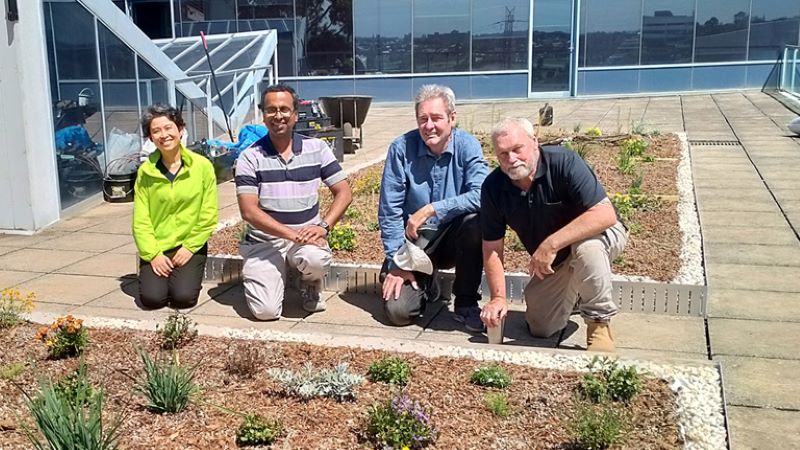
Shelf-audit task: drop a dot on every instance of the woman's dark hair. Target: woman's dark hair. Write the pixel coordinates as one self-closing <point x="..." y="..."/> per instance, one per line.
<point x="279" y="88"/>
<point x="160" y="110"/>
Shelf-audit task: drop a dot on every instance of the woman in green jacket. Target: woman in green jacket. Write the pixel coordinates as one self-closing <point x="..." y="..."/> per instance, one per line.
<point x="174" y="214"/>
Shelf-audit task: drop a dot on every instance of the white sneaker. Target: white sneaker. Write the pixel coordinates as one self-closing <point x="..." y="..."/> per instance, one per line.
<point x="312" y="301"/>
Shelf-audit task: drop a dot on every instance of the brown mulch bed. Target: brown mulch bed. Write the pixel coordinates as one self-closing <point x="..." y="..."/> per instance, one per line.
<point x="653" y="249"/>
<point x="542" y="401"/>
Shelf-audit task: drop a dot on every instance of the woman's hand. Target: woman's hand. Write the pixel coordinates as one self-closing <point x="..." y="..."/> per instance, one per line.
<point x="162" y="266"/>
<point x="181" y="257"/>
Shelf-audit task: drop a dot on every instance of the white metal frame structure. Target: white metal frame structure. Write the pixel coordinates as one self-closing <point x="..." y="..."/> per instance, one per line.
<point x="185" y="79"/>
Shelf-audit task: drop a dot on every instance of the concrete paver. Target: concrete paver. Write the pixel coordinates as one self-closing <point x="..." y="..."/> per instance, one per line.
<point x="111" y="264"/>
<point x="764" y="382"/>
<point x="39" y="260"/>
<point x="11" y="278"/>
<point x="768" y="306"/>
<point x="71" y="289"/>
<point x="764" y="278"/>
<point x="756" y="338"/>
<point x="739" y="218"/>
<point x="86" y="242"/>
<point x="752" y="253"/>
<point x="754" y="236"/>
<point x="763" y="428"/>
<point x="4" y="250"/>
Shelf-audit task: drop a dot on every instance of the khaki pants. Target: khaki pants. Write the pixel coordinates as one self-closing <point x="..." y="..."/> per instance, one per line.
<point x="264" y="272"/>
<point x="583" y="279"/>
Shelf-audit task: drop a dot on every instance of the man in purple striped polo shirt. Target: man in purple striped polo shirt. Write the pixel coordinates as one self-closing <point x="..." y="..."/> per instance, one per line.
<point x="277" y="180"/>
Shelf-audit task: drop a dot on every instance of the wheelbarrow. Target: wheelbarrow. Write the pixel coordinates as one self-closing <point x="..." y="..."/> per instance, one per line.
<point x="347" y="112"/>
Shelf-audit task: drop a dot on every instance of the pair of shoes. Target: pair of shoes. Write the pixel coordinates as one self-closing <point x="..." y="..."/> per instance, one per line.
<point x="470" y="316"/>
<point x="598" y="337"/>
<point x="312" y="302"/>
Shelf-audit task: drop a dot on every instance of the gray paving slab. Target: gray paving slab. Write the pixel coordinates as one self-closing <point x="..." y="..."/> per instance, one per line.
<point x="86" y="242"/>
<point x="787" y="195"/>
<point x="794" y="218"/>
<point x="755" y="338"/>
<point x="735" y="218"/>
<point x="409" y="332"/>
<point x="660" y="333"/>
<point x="783" y="236"/>
<point x="110" y="264"/>
<point x="70" y="289"/>
<point x="10" y="278"/>
<point x="784" y="184"/>
<point x="752" y="182"/>
<point x="763" y="428"/>
<point x="38" y="260"/>
<point x="23" y="240"/>
<point x="744" y="253"/>
<point x="762" y="382"/>
<point x="778" y="173"/>
<point x="4" y="250"/>
<point x="120" y="225"/>
<point x="700" y="173"/>
<point x="756" y="278"/>
<point x="158" y="315"/>
<point x="742" y="195"/>
<point x="713" y="203"/>
<point x="756" y="305"/>
<point x="792" y="206"/>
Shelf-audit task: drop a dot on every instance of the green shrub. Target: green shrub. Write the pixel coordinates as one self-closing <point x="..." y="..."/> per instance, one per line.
<point x="167" y="386"/>
<point x="75" y="387"/>
<point x="308" y="383"/>
<point x="178" y="330"/>
<point x="634" y="147"/>
<point x="257" y="430"/>
<point x="352" y="213"/>
<point x="491" y="376"/>
<point x="11" y="371"/>
<point x="597" y="427"/>
<point x="342" y="237"/>
<point x="67" y="422"/>
<point x="399" y="423"/>
<point x="373" y="226"/>
<point x="497" y="403"/>
<point x="390" y="370"/>
<point x="368" y="182"/>
<point x="14" y="306"/>
<point x="607" y="380"/>
<point x="514" y="242"/>
<point x="64" y="337"/>
<point x="594" y="132"/>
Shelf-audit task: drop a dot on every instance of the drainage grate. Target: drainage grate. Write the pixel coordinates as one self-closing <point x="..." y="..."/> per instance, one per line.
<point x="639" y="297"/>
<point x="702" y="142"/>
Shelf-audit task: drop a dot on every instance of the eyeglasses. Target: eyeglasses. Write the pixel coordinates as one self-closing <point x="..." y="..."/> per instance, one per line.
<point x="272" y="111"/>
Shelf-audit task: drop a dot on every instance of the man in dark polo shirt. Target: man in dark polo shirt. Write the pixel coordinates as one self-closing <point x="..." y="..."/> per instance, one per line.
<point x="562" y="215"/>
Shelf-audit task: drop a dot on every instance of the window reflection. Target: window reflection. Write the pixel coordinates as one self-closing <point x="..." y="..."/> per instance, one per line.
<point x="325" y="37"/>
<point x="208" y="16"/>
<point x="721" y="30"/>
<point x="667" y="29"/>
<point x="383" y="36"/>
<point x="500" y="35"/>
<point x="552" y="38"/>
<point x="441" y="36"/>
<point x="276" y="15"/>
<point x="773" y="23"/>
<point x="610" y="32"/>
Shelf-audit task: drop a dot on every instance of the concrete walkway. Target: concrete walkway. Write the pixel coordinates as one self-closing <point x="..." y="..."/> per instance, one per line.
<point x="749" y="202"/>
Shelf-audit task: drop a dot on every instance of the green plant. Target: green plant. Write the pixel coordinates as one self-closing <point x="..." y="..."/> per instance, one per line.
<point x="352" y="213"/>
<point x="399" y="423"/>
<point x="634" y="147"/>
<point x="625" y="163"/>
<point x="638" y="127"/>
<point x="68" y="422"/>
<point x="491" y="376"/>
<point x="597" y="427"/>
<point x="514" y="242"/>
<point x="497" y="403"/>
<point x="368" y="182"/>
<point x="257" y="430"/>
<point x="607" y="380"/>
<point x="634" y="228"/>
<point x="178" y="330"/>
<point x="244" y="361"/>
<point x="11" y="371"/>
<point x="75" y="386"/>
<point x="594" y="132"/>
<point x="577" y="128"/>
<point x="13" y="307"/>
<point x="167" y="386"/>
<point x="308" y="383"/>
<point x="390" y="370"/>
<point x="64" y="337"/>
<point x="342" y="237"/>
<point x="373" y="226"/>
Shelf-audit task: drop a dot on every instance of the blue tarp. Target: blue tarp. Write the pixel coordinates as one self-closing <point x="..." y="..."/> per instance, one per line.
<point x="247" y="135"/>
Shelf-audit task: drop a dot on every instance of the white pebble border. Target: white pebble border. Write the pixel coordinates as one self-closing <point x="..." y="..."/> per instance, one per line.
<point x="691" y="271"/>
<point x="699" y="400"/>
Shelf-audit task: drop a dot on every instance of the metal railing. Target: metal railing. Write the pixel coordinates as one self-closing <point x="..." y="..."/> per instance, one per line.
<point x="790" y="70"/>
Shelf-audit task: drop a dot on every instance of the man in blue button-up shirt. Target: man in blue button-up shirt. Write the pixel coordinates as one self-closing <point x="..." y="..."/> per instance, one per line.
<point x="433" y="177"/>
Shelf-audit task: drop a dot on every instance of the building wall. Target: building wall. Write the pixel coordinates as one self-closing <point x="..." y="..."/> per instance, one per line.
<point x="28" y="192"/>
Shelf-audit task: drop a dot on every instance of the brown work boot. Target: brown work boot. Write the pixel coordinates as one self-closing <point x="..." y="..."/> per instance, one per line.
<point x="598" y="337"/>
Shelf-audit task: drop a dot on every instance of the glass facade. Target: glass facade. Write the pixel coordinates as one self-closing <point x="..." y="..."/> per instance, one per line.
<point x="385" y="48"/>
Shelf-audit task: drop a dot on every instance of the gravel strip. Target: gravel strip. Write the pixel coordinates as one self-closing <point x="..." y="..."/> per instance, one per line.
<point x="697" y="387"/>
<point x="691" y="271"/>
